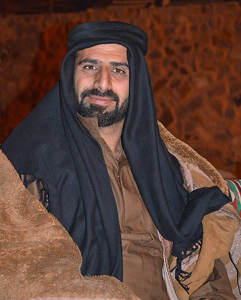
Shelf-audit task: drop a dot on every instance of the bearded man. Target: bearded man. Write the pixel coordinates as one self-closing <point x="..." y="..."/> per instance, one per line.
<point x="139" y="210"/>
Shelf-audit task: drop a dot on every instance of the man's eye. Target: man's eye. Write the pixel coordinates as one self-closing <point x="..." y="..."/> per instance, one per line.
<point x="89" y="67"/>
<point x="119" y="71"/>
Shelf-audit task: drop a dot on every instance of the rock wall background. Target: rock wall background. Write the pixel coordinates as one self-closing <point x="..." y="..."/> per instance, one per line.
<point x="194" y="60"/>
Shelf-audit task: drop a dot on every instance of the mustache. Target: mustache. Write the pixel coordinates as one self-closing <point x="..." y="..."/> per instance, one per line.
<point x="96" y="92"/>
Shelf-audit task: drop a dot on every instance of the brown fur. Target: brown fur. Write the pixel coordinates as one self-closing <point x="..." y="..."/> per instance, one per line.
<point x="38" y="258"/>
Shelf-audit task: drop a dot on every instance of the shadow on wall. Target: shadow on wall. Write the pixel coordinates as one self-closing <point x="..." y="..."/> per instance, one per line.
<point x="43" y="74"/>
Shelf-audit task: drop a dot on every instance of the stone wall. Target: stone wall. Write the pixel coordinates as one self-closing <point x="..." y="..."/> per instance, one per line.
<point x="194" y="60"/>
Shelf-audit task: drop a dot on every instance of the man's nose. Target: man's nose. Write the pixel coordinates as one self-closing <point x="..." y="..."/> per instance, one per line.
<point x="103" y="79"/>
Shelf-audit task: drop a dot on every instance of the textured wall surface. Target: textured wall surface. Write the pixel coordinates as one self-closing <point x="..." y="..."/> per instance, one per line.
<point x="194" y="60"/>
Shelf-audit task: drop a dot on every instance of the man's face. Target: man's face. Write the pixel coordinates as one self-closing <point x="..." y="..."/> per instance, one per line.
<point x="101" y="83"/>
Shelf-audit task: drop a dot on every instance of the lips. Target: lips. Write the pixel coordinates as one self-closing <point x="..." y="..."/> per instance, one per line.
<point x="103" y="101"/>
<point x="95" y="96"/>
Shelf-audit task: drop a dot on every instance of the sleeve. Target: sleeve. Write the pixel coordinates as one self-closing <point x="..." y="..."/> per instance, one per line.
<point x="37" y="188"/>
<point x="216" y="287"/>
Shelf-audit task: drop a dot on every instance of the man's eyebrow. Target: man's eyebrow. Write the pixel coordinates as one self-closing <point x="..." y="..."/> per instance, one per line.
<point x="96" y="61"/>
<point x="88" y="60"/>
<point x="119" y="64"/>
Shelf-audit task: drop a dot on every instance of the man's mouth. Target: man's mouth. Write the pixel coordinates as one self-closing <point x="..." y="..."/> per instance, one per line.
<point x="95" y="96"/>
<point x="103" y="101"/>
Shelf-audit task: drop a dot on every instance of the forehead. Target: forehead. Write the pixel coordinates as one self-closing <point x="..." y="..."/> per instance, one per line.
<point x="106" y="52"/>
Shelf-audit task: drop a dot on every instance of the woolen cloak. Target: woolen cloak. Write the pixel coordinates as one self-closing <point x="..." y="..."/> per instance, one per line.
<point x="52" y="145"/>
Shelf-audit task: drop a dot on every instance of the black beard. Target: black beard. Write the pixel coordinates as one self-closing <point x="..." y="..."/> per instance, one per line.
<point x="105" y="119"/>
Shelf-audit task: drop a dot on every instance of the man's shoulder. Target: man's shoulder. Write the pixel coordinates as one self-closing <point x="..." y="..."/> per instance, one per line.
<point x="37" y="137"/>
<point x="196" y="170"/>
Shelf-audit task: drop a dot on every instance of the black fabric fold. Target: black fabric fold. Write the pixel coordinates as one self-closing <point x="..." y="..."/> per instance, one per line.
<point x="52" y="145"/>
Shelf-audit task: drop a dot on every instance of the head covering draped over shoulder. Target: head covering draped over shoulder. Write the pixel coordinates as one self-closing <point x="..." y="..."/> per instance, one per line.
<point x="55" y="147"/>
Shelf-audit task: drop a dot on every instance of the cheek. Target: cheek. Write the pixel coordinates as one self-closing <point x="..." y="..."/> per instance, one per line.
<point x="81" y="83"/>
<point x="76" y="82"/>
<point x="125" y="90"/>
<point x="121" y="86"/>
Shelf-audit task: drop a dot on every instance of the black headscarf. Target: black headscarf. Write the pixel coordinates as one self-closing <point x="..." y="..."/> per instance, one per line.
<point x="52" y="145"/>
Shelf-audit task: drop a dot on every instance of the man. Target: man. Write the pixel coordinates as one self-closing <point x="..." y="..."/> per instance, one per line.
<point x="92" y="153"/>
